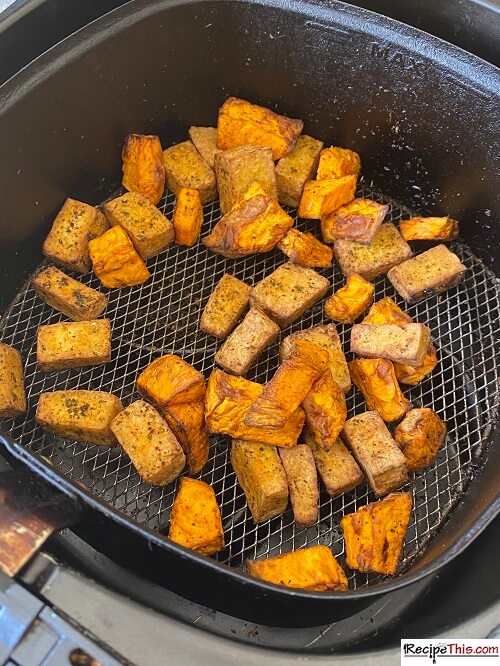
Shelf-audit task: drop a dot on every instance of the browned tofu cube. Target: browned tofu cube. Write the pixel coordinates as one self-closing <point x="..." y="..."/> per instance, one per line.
<point x="73" y="344"/>
<point x="376" y="379"/>
<point x="300" y="470"/>
<point x="169" y="380"/>
<point x="260" y="473"/>
<point x="313" y="568"/>
<point x="12" y="394"/>
<point x="337" y="162"/>
<point x="326" y="338"/>
<point x="225" y="306"/>
<point x="205" y="142"/>
<point x="326" y="410"/>
<point x="337" y="468"/>
<point x="406" y="343"/>
<point x="358" y="221"/>
<point x="386" y="250"/>
<point x="188" y="216"/>
<point x="350" y="301"/>
<point x="420" y="436"/>
<point x="288" y="292"/>
<point x="68" y="241"/>
<point x="376" y="452"/>
<point x="149" y="443"/>
<point x="238" y="168"/>
<point x="185" y="167"/>
<point x="305" y="249"/>
<point x="72" y="298"/>
<point x="187" y="422"/>
<point x="148" y="229"/>
<point x="247" y="342"/>
<point x="195" y="521"/>
<point x="429" y="273"/>
<point x="241" y="123"/>
<point x="115" y="260"/>
<point x="429" y="228"/>
<point x="143" y="167"/>
<point x="321" y="197"/>
<point x="294" y="170"/>
<point x="84" y="416"/>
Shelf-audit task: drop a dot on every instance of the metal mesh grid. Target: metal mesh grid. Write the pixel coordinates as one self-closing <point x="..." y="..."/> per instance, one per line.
<point x="162" y="317"/>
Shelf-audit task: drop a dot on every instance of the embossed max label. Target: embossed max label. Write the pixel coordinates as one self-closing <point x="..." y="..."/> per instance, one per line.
<point x="397" y="58"/>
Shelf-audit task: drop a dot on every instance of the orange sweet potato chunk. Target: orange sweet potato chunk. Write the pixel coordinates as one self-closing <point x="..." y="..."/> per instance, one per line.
<point x="358" y="221"/>
<point x="375" y="533"/>
<point x="169" y="380"/>
<point x="187" y="422"/>
<point x="338" y="162"/>
<point x="429" y="228"/>
<point x="320" y="197"/>
<point x="195" y="521"/>
<point x="326" y="410"/>
<point x="305" y="249"/>
<point x="143" y="166"/>
<point x="350" y="301"/>
<point x="115" y="260"/>
<point x="376" y="379"/>
<point x="420" y="436"/>
<point x="313" y="568"/>
<point x="188" y="216"/>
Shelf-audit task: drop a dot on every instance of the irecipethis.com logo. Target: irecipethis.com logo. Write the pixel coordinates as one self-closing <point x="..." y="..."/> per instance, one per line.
<point x="451" y="651"/>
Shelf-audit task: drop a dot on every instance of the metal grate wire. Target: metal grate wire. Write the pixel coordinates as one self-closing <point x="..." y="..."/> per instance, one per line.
<point x="162" y="317"/>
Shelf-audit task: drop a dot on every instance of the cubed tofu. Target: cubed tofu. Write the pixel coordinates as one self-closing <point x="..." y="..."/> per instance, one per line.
<point x="291" y="383"/>
<point x="238" y="168"/>
<point x="187" y="422"/>
<point x="337" y="468"/>
<point x="338" y="162"/>
<point x="369" y="260"/>
<point x="375" y="533"/>
<point x="67" y="244"/>
<point x="205" y="142"/>
<point x="300" y="470"/>
<point x="305" y="249"/>
<point x="326" y="410"/>
<point x="195" y="520"/>
<point x="260" y="473"/>
<point x="169" y="380"/>
<point x="225" y="306"/>
<point x="420" y="436"/>
<point x="326" y="338"/>
<point x="84" y="416"/>
<point x="227" y="402"/>
<point x="313" y="568"/>
<point x="429" y="228"/>
<point x="321" y="197"/>
<point x="12" y="393"/>
<point x="149" y="443"/>
<point x="247" y="342"/>
<point x="377" y="453"/>
<point x="143" y="166"/>
<point x="406" y="374"/>
<point x="358" y="221"/>
<point x="288" y="292"/>
<point x="188" y="216"/>
<point x="350" y="301"/>
<point x="294" y="170"/>
<point x="185" y="167"/>
<point x="241" y="123"/>
<point x="405" y="343"/>
<point x="431" y="272"/>
<point x="74" y="344"/>
<point x="72" y="298"/>
<point x="148" y="229"/>
<point x="376" y="379"/>
<point x="115" y="260"/>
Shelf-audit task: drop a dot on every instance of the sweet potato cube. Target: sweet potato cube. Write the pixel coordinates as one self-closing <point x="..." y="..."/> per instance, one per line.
<point x="338" y="162"/>
<point x="300" y="470"/>
<point x="67" y="244"/>
<point x="405" y="343"/>
<point x="185" y="167"/>
<point x="12" y="394"/>
<point x="358" y="221"/>
<point x="260" y="473"/>
<point x="420" y="436"/>
<point x="406" y="374"/>
<point x="386" y="311"/>
<point x="375" y="533"/>
<point x="326" y="410"/>
<point x="188" y="216"/>
<point x="195" y="520"/>
<point x="376" y="452"/>
<point x="429" y="228"/>
<point x="115" y="260"/>
<point x="321" y="197"/>
<point x="350" y="301"/>
<point x="143" y="166"/>
<point x="205" y="142"/>
<point x="376" y="379"/>
<point x="74" y="344"/>
<point x="169" y="380"/>
<point x="294" y="170"/>
<point x="305" y="249"/>
<point x="313" y="568"/>
<point x="227" y="402"/>
<point x="241" y="123"/>
<point x="187" y="422"/>
<point x="148" y="229"/>
<point x="72" y="298"/>
<point x="225" y="306"/>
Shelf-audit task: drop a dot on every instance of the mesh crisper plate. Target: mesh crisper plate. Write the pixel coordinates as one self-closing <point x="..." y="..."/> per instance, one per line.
<point x="162" y="316"/>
